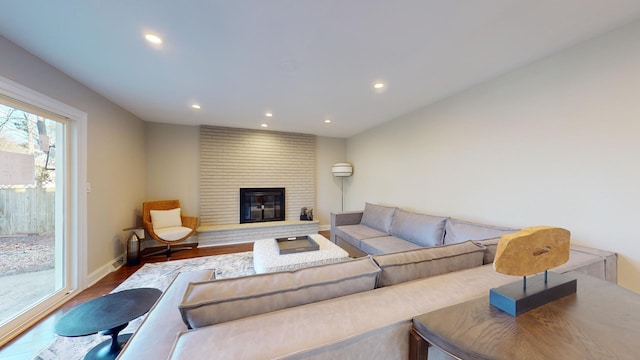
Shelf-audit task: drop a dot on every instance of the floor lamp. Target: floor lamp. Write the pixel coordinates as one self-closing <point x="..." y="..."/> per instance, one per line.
<point x="342" y="170"/>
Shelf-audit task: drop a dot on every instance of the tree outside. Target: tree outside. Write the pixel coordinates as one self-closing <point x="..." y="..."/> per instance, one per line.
<point x="27" y="210"/>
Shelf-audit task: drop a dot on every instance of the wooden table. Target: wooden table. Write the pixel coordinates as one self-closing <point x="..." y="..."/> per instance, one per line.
<point x="600" y="321"/>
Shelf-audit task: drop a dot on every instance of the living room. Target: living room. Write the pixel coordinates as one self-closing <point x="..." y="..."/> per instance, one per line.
<point x="550" y="142"/>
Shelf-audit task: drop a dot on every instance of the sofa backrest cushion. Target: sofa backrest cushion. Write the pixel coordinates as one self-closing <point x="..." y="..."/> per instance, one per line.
<point x="378" y="217"/>
<point x="420" y="229"/>
<point x="490" y="248"/>
<point x="216" y="301"/>
<point x="416" y="264"/>
<point x="458" y="231"/>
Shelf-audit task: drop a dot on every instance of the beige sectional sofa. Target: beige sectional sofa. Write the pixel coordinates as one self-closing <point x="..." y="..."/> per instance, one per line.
<point x="358" y="309"/>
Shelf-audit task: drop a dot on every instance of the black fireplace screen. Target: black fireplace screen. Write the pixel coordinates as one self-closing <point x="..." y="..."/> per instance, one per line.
<point x="261" y="204"/>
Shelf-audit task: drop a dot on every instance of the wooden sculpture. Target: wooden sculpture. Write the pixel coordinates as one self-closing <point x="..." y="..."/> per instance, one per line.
<point x="532" y="250"/>
<point x="526" y="252"/>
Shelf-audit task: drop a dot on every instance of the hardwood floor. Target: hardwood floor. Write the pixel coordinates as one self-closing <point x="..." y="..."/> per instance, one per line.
<point x="32" y="341"/>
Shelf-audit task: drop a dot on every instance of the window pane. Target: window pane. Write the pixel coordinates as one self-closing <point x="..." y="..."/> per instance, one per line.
<point x="31" y="210"/>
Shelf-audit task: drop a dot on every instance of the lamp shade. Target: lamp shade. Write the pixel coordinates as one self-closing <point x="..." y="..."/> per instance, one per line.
<point x="342" y="169"/>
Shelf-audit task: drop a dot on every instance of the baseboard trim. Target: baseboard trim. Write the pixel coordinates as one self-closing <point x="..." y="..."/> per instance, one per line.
<point x="105" y="269"/>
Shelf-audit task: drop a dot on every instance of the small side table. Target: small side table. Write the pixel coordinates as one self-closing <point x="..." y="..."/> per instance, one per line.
<point x="600" y="321"/>
<point x="108" y="314"/>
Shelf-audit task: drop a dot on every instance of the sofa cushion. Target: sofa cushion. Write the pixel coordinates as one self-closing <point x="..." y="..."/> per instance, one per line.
<point x="490" y="248"/>
<point x="378" y="217"/>
<point x="360" y="326"/>
<point x="416" y="264"/>
<point x="386" y="244"/>
<point x="458" y="231"/>
<point x="421" y="229"/>
<point x="353" y="234"/>
<point x="211" y="302"/>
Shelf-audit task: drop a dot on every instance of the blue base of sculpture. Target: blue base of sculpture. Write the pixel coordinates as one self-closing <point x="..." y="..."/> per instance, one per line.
<point x="515" y="298"/>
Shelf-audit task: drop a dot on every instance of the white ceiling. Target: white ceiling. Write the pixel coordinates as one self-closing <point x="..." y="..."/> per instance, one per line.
<point x="303" y="60"/>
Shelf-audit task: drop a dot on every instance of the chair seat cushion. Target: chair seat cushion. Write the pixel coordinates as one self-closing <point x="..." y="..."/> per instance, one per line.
<point x="172" y="233"/>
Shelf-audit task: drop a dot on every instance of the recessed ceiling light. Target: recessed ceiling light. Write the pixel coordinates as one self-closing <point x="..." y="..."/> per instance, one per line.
<point x="268" y="114"/>
<point x="327" y="121"/>
<point x="195" y="106"/>
<point x="264" y="125"/>
<point x="378" y="85"/>
<point x="154" y="39"/>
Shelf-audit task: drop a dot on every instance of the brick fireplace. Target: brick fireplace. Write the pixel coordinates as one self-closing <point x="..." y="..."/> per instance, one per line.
<point x="232" y="158"/>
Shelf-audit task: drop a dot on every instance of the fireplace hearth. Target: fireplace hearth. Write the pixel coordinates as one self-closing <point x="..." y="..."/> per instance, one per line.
<point x="261" y="205"/>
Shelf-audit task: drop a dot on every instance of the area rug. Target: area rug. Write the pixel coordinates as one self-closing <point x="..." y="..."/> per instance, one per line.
<point x="156" y="275"/>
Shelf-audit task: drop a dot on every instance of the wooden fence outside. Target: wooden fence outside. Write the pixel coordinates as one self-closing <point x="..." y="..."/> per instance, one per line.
<point x="26" y="211"/>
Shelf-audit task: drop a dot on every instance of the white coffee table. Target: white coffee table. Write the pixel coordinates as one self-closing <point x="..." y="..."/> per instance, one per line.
<point x="267" y="258"/>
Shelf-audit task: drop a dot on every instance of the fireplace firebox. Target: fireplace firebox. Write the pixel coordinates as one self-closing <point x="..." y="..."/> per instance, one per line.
<point x="261" y="204"/>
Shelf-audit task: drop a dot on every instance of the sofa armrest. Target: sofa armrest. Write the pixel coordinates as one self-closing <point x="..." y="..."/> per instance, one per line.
<point x="344" y="218"/>
<point x="610" y="260"/>
<point x="163" y="322"/>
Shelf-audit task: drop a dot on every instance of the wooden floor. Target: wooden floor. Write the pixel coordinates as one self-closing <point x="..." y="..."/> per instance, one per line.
<point x="32" y="341"/>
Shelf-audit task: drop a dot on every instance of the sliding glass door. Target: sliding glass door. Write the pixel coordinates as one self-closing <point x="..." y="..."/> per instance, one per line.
<point x="33" y="234"/>
<point x="43" y="205"/>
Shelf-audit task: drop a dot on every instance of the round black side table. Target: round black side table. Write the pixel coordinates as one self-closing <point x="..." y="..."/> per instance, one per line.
<point x="108" y="314"/>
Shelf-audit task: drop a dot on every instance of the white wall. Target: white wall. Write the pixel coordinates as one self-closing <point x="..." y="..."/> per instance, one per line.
<point x="115" y="151"/>
<point x="328" y="188"/>
<point x="554" y="143"/>
<point x="173" y="164"/>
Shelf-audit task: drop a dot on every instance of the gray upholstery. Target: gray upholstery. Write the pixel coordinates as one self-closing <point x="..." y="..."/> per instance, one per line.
<point x="386" y="244"/>
<point x="458" y="231"/>
<point x="370" y="325"/>
<point x="581" y="260"/>
<point x="353" y="234"/>
<point x="353" y="251"/>
<point x="344" y="218"/>
<point x="420" y="229"/>
<point x="407" y="229"/>
<point x="216" y="301"/>
<point x="410" y="265"/>
<point x="490" y="248"/>
<point x="326" y="327"/>
<point x="378" y="217"/>
<point x="163" y="321"/>
<point x="610" y="261"/>
<point x="329" y="311"/>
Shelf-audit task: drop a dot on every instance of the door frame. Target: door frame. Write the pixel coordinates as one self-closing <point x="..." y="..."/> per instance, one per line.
<point x="76" y="209"/>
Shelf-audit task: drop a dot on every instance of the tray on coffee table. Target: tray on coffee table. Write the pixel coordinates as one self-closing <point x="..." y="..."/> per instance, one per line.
<point x="296" y="244"/>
